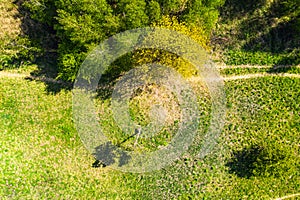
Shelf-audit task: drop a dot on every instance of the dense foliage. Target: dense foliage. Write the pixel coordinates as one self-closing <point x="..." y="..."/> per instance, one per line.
<point x="82" y="24"/>
<point x="63" y="32"/>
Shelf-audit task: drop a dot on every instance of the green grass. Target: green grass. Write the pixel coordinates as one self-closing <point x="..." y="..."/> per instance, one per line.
<point x="41" y="156"/>
<point x="257" y="157"/>
<point x="238" y="57"/>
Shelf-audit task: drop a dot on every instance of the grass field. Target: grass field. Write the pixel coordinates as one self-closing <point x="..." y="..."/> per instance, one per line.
<point x="257" y="156"/>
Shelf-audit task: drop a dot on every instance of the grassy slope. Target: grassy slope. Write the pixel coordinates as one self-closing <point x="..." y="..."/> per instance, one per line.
<point x="257" y="33"/>
<point x="41" y="155"/>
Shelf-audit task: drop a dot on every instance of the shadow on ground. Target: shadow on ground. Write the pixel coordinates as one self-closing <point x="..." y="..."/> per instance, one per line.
<point x="43" y="49"/>
<point x="107" y="154"/>
<point x="261" y="26"/>
<point x="254" y="161"/>
<point x="279" y="69"/>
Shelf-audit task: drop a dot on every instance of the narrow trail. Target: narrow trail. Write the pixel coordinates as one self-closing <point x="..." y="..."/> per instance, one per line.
<point x="220" y="66"/>
<point x="4" y="74"/>
<point x="249" y="76"/>
<point x="288" y="196"/>
<point x="257" y="75"/>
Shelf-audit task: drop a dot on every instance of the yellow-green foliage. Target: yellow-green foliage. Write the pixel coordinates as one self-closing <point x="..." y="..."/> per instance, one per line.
<point x="163" y="57"/>
<point x="197" y="33"/>
<point x="9" y="31"/>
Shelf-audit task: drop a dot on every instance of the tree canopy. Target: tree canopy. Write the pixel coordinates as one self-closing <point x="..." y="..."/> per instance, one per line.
<point x="82" y="24"/>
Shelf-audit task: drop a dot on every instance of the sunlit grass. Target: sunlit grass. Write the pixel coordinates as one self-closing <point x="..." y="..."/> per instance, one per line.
<point x="41" y="155"/>
<point x="257" y="157"/>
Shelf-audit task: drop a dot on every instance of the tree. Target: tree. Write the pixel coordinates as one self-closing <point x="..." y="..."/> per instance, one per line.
<point x="82" y="24"/>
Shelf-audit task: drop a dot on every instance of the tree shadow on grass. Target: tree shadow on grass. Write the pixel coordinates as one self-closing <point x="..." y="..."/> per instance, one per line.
<point x="277" y="69"/>
<point x="112" y="75"/>
<point x="287" y="63"/>
<point x="254" y="161"/>
<point x="107" y="154"/>
<point x="242" y="162"/>
<point x="41" y="49"/>
<point x="262" y="27"/>
<point x="52" y="86"/>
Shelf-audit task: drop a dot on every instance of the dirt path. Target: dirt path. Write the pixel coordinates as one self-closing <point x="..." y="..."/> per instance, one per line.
<point x="289" y="196"/>
<point x="4" y="74"/>
<point x="248" y="76"/>
<point x="252" y="66"/>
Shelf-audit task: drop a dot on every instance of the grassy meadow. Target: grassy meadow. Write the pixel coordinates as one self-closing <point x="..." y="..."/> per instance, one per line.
<point x="257" y="155"/>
